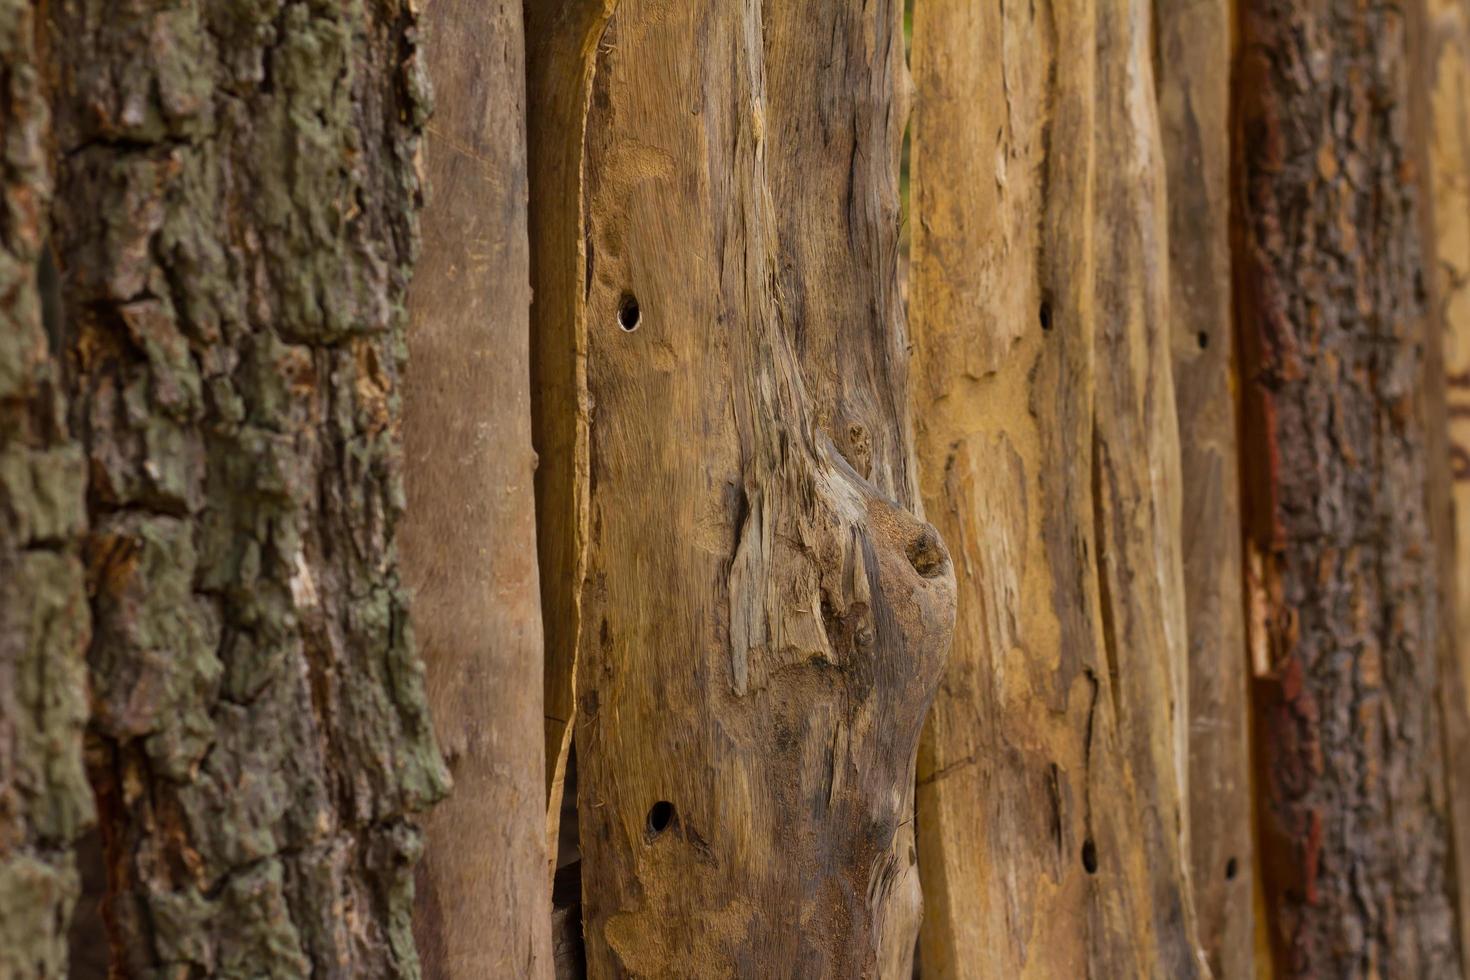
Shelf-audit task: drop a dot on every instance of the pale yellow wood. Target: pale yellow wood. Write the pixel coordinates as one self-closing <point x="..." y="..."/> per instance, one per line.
<point x="1051" y="824"/>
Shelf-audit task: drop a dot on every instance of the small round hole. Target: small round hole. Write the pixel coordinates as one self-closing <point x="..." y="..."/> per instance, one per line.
<point x="1045" y="315"/>
<point x="1089" y="856"/>
<point x="660" y="818"/>
<point x="1231" y="869"/>
<point x="628" y="312"/>
<point x="1203" y="339"/>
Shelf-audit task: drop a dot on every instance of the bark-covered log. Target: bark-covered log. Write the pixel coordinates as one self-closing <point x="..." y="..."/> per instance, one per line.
<point x="469" y="541"/>
<point x="1194" y="59"/>
<point x="45" y="802"/>
<point x="1051" y="801"/>
<point x="1345" y="620"/>
<point x="236" y="221"/>
<point x="763" y="628"/>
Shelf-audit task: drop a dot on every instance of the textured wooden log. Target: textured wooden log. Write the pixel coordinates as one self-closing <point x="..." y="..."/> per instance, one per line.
<point x="236" y="221"/>
<point x="45" y="803"/>
<point x="1194" y="64"/>
<point x="1051" y="823"/>
<point x="1345" y="617"/>
<point x="469" y="536"/>
<point x="763" y="628"/>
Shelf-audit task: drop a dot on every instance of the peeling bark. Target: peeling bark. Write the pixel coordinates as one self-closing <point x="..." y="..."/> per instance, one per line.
<point x="45" y="802"/>
<point x="235" y="222"/>
<point x="469" y="541"/>
<point x="763" y="628"/>
<point x="1051" y="815"/>
<point x="1355" y="824"/>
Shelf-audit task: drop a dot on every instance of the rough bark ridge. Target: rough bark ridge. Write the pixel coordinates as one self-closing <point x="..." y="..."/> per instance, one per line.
<point x="45" y="802"/>
<point x="763" y="627"/>
<point x="1051" y="821"/>
<point x="236" y="219"/>
<point x="1344" y="624"/>
<point x="469" y="536"/>
<point x="1193" y="62"/>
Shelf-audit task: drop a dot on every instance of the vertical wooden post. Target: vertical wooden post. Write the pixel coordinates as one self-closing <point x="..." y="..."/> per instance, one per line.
<point x="1194" y="59"/>
<point x="763" y="628"/>
<point x="1051" y="821"/>
<point x="469" y="538"/>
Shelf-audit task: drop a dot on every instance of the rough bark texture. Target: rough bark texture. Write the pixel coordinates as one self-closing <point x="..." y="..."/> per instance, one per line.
<point x="469" y="536"/>
<point x="236" y="219"/>
<point x="764" y="628"/>
<point x="1051" y="822"/>
<point x="45" y="802"/>
<point x="1355" y="825"/>
<point x="561" y="45"/>
<point x="1193" y="61"/>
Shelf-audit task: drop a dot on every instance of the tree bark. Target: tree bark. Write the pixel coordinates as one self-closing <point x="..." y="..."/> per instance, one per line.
<point x="1355" y="824"/>
<point x="469" y="541"/>
<point x="763" y="627"/>
<point x="1051" y="799"/>
<point x="1194" y="61"/>
<point x="236" y="221"/>
<point x="45" y="802"/>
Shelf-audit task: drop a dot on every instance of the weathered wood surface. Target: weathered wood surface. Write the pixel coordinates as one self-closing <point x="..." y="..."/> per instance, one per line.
<point x="1051" y="801"/>
<point x="45" y="802"/>
<point x="762" y="627"/>
<point x="1439" y="53"/>
<point x="469" y="535"/>
<point x="561" y="46"/>
<point x="838" y="70"/>
<point x="1344" y="625"/>
<point x="236" y="220"/>
<point x="1194" y="64"/>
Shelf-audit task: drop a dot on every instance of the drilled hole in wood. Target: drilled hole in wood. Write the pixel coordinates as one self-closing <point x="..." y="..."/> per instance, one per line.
<point x="1045" y="314"/>
<point x="660" y="818"/>
<point x="629" y="314"/>
<point x="1203" y="340"/>
<point x="1231" y="869"/>
<point x="1089" y="856"/>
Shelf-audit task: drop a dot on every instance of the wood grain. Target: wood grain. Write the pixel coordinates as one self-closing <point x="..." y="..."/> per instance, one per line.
<point x="763" y="627"/>
<point x="1052" y="832"/>
<point x="469" y="537"/>
<point x="1194" y="56"/>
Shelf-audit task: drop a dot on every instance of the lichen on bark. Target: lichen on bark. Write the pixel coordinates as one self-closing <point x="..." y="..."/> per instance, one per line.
<point x="236" y="224"/>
